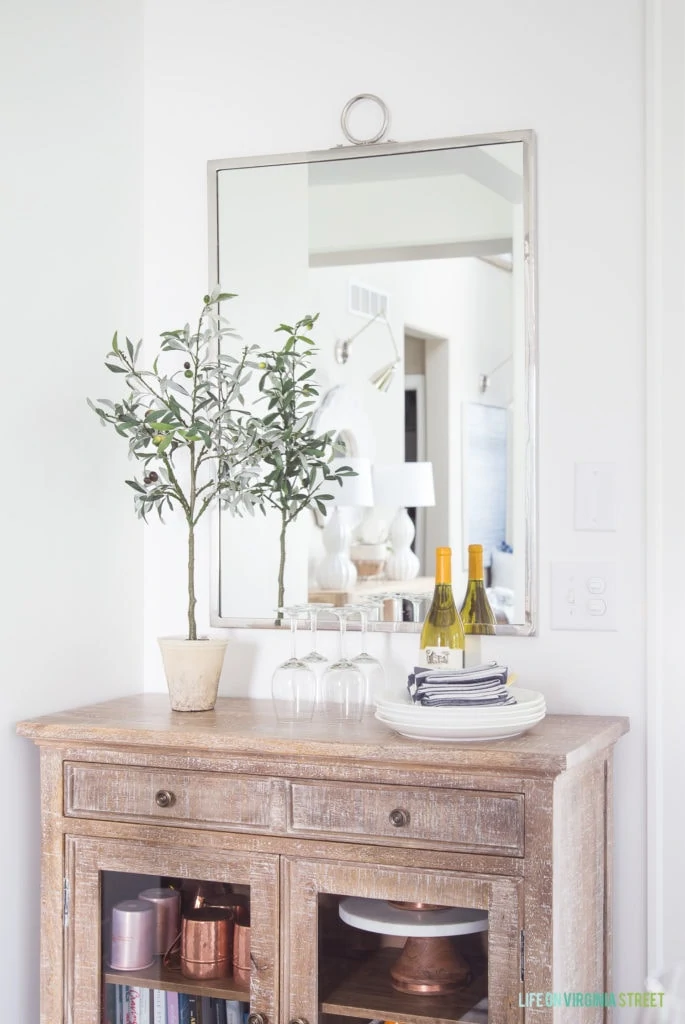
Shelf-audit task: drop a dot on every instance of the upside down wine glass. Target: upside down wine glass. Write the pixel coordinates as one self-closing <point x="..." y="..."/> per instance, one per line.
<point x="293" y="684"/>
<point x="314" y="658"/>
<point x="370" y="667"/>
<point x="343" y="686"/>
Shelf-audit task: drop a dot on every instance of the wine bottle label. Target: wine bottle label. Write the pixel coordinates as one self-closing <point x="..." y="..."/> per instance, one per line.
<point x="473" y="654"/>
<point x="441" y="657"/>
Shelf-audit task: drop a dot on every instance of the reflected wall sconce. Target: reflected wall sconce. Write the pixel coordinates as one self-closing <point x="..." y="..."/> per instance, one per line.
<point x="484" y="380"/>
<point x="382" y="378"/>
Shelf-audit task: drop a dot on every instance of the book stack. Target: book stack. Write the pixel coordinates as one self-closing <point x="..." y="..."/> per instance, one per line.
<point x="133" y="1004"/>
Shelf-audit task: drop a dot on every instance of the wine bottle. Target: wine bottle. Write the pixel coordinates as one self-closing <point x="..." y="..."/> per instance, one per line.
<point x="442" y="636"/>
<point x="476" y="614"/>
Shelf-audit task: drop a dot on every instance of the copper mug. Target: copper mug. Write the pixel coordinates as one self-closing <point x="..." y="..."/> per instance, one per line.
<point x="241" y="954"/>
<point x="206" y="943"/>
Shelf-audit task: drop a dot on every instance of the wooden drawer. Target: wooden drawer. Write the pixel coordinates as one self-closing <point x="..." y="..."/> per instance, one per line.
<point x="467" y="819"/>
<point x="197" y="799"/>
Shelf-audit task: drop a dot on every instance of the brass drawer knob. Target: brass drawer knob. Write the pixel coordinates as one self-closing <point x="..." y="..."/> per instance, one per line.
<point x="165" y="798"/>
<point x="299" y="1020"/>
<point x="399" y="817"/>
<point x="257" y="1018"/>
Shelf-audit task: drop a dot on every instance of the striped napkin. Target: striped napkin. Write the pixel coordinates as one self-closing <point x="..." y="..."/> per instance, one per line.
<point x="481" y="686"/>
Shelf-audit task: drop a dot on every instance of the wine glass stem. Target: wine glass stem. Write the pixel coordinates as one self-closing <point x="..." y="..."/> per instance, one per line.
<point x="343" y="635"/>
<point x="314" y="615"/>
<point x="363" y="616"/>
<point x="293" y="637"/>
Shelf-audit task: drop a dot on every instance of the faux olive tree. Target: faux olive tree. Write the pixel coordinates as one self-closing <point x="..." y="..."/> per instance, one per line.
<point x="187" y="424"/>
<point x="299" y="474"/>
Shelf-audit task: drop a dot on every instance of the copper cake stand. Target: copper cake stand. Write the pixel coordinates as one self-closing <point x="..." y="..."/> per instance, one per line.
<point x="429" y="964"/>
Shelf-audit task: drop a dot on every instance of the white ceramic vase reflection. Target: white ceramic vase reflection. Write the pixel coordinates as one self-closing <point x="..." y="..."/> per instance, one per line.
<point x="402" y="564"/>
<point x="336" y="571"/>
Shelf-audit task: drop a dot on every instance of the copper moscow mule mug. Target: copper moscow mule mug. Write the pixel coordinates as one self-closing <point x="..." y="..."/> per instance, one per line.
<point x="206" y="943"/>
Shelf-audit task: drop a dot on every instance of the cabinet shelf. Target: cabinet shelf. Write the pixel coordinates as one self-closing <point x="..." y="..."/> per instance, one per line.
<point x="366" y="991"/>
<point x="161" y="977"/>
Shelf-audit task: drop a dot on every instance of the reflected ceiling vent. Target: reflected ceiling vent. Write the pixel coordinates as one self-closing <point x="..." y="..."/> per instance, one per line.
<point x="369" y="302"/>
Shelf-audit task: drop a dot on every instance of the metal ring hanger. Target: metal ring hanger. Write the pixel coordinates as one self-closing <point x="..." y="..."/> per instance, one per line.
<point x="346" y="113"/>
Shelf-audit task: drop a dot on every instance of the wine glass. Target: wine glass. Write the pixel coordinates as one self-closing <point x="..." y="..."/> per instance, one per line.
<point x="415" y="600"/>
<point x="390" y="606"/>
<point x="370" y="667"/>
<point x="315" y="659"/>
<point x="343" y="686"/>
<point x="293" y="684"/>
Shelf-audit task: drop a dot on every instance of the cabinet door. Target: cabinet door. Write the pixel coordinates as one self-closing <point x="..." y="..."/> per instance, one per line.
<point x="114" y="969"/>
<point x="334" y="970"/>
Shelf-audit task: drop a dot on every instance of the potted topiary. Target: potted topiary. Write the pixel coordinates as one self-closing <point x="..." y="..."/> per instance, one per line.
<point x="298" y="471"/>
<point x="187" y="424"/>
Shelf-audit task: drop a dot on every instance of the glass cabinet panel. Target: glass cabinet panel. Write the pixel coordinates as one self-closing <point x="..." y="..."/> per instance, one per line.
<point x="400" y="945"/>
<point x="169" y="936"/>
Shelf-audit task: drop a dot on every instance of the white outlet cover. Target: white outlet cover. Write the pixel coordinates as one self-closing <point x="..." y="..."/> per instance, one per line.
<point x="584" y="596"/>
<point x="595" y="496"/>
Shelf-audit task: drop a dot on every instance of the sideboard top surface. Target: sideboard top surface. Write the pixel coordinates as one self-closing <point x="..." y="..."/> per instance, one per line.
<point x="241" y="726"/>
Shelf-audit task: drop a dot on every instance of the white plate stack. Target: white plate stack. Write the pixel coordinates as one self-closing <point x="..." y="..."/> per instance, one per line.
<point x="462" y="724"/>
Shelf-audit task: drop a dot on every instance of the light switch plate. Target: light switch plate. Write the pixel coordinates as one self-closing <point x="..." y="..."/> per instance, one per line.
<point x="584" y="595"/>
<point x="595" y="496"/>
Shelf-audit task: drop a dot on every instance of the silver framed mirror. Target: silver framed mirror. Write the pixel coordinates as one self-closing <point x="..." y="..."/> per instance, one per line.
<point x="420" y="259"/>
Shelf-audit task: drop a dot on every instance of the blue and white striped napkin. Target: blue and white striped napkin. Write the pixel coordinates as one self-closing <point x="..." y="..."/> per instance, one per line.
<point x="481" y="686"/>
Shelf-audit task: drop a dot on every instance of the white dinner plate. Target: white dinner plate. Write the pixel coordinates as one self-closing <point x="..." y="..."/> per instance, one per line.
<point x="452" y="715"/>
<point x="465" y="722"/>
<point x="462" y="735"/>
<point x="405" y="710"/>
<point x="482" y="738"/>
<point x="461" y="727"/>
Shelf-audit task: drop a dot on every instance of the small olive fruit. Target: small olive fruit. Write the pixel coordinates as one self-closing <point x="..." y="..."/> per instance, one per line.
<point x="186" y="366"/>
<point x="158" y="438"/>
<point x="152" y="477"/>
<point x="188" y="373"/>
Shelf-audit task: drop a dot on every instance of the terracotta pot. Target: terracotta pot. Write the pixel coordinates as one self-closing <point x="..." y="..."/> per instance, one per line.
<point x="193" y="669"/>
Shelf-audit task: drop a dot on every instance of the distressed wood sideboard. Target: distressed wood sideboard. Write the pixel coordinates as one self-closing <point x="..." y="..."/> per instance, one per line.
<point x="521" y="828"/>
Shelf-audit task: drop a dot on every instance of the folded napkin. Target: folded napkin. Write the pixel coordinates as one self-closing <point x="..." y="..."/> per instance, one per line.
<point x="481" y="686"/>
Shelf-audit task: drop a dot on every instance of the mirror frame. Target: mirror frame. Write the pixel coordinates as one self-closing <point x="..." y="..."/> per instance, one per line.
<point x="340" y="152"/>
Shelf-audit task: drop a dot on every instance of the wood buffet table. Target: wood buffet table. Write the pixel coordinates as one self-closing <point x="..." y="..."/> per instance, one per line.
<point x="297" y="819"/>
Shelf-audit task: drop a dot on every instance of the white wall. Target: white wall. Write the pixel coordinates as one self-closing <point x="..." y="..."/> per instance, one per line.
<point x="70" y="272"/>
<point x="231" y="79"/>
<point x="665" y="372"/>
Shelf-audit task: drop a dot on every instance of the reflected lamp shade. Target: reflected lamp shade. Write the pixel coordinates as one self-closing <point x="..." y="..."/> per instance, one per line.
<point x="403" y="485"/>
<point x="336" y="571"/>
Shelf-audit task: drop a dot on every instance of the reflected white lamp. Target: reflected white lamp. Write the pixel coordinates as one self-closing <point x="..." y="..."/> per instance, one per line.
<point x="336" y="571"/>
<point x="403" y="485"/>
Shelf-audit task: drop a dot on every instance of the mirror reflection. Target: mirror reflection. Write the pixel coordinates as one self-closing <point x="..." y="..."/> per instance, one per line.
<point x="414" y="263"/>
